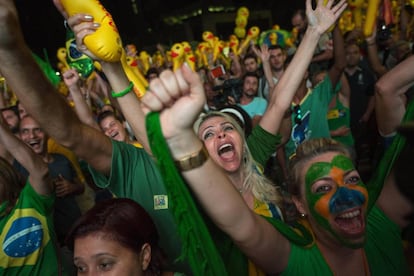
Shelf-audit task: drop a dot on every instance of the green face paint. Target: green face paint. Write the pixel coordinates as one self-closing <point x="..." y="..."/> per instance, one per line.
<point x="324" y="204"/>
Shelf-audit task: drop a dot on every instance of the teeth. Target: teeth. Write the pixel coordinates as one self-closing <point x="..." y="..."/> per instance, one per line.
<point x="350" y="214"/>
<point x="224" y="146"/>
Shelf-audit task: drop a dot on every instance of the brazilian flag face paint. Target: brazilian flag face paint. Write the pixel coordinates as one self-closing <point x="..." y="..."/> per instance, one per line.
<point x="338" y="199"/>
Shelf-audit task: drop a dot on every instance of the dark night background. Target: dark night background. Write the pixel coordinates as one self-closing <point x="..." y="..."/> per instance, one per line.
<point x="142" y="22"/>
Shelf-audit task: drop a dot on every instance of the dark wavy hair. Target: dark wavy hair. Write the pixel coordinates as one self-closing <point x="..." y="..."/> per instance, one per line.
<point x="124" y="221"/>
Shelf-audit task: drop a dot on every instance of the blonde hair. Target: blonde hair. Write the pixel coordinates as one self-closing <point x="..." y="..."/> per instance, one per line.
<point x="307" y="151"/>
<point x="262" y="188"/>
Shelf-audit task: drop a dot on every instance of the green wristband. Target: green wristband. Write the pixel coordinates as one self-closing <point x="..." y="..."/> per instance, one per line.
<point x="123" y="92"/>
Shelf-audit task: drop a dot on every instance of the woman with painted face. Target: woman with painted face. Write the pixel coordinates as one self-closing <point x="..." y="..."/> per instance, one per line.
<point x="345" y="228"/>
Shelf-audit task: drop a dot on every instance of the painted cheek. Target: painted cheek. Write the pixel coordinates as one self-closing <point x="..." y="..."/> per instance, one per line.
<point x="317" y="203"/>
<point x="321" y="206"/>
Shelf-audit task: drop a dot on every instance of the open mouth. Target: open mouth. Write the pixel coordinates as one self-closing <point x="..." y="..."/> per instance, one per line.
<point x="351" y="222"/>
<point x="226" y="150"/>
<point x="34" y="144"/>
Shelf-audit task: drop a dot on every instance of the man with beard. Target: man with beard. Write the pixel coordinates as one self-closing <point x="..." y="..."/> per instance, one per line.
<point x="253" y="105"/>
<point x="11" y="117"/>
<point x="277" y="62"/>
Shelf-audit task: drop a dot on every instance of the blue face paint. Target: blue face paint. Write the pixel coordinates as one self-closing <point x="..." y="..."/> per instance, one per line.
<point x="345" y="199"/>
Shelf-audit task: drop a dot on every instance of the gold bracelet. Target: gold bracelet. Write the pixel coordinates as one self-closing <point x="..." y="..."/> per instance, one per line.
<point x="193" y="160"/>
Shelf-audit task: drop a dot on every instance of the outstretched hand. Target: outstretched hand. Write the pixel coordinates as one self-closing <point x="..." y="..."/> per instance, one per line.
<point x="179" y="96"/>
<point x="324" y="16"/>
<point x="262" y="53"/>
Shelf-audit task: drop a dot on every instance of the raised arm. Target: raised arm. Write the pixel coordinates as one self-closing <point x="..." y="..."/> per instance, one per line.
<point x="390" y="98"/>
<point x="83" y="25"/>
<point x="339" y="64"/>
<point x="72" y="81"/>
<point x="37" y="168"/>
<point x="320" y="20"/>
<point x="41" y="99"/>
<point x="372" y="53"/>
<point x="180" y="98"/>
<point x="264" y="55"/>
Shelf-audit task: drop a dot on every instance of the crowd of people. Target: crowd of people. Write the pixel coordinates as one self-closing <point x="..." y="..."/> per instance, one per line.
<point x="293" y="160"/>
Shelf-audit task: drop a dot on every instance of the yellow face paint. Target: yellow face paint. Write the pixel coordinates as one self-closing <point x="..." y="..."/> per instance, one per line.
<point x="328" y="201"/>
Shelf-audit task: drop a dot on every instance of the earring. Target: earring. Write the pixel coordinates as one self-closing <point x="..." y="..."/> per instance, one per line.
<point x="302" y="215"/>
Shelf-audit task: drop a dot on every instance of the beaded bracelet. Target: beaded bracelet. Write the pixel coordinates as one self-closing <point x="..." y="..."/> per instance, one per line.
<point x="123" y="92"/>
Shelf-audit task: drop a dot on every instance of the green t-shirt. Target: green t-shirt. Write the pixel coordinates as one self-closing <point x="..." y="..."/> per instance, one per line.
<point x="27" y="236"/>
<point x="383" y="248"/>
<point x="135" y="175"/>
<point x="313" y="124"/>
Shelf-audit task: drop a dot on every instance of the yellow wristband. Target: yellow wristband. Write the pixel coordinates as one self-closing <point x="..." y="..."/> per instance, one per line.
<point x="193" y="160"/>
<point x="123" y="92"/>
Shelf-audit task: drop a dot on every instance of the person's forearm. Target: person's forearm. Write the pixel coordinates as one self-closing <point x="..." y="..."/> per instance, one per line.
<point x="268" y="76"/>
<point x="389" y="96"/>
<point x="37" y="93"/>
<point x="370" y="107"/>
<point x="129" y="104"/>
<point x="338" y="67"/>
<point x="32" y="162"/>
<point x="81" y="107"/>
<point x="238" y="71"/>
<point x="324" y="56"/>
<point x="399" y="79"/>
<point x="404" y="21"/>
<point x="289" y="82"/>
<point x="373" y="59"/>
<point x="339" y="50"/>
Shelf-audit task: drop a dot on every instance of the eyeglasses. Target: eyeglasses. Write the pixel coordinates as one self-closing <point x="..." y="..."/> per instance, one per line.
<point x="298" y="114"/>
